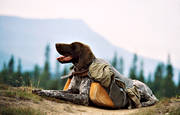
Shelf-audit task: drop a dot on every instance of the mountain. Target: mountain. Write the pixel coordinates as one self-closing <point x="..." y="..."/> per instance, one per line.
<point x="27" y="38"/>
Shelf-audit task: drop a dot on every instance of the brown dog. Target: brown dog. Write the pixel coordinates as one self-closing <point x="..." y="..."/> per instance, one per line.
<point x="81" y="86"/>
<point x="79" y="54"/>
<point x="77" y="87"/>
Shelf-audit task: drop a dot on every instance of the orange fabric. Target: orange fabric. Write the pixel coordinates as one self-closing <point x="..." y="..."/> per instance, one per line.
<point x="99" y="96"/>
<point x="67" y="84"/>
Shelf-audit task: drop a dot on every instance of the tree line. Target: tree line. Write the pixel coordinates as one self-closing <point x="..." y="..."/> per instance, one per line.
<point x="161" y="81"/>
<point x="38" y="77"/>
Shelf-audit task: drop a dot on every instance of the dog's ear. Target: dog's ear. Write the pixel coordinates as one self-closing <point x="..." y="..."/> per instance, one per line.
<point x="86" y="57"/>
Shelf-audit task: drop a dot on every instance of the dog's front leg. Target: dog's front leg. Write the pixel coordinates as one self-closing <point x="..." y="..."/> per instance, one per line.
<point x="84" y="84"/>
<point x="64" y="95"/>
<point x="81" y="98"/>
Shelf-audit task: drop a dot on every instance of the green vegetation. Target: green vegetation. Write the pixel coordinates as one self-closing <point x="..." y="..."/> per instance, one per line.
<point x="133" y="69"/>
<point x="18" y="93"/>
<point x="38" y="78"/>
<point x="175" y="112"/>
<point x="6" y="110"/>
<point x="23" y="93"/>
<point x="165" y="106"/>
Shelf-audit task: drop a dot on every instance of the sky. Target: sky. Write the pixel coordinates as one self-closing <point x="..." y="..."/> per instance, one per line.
<point x="150" y="28"/>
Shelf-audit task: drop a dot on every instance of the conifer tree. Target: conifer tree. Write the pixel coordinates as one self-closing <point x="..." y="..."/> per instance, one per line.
<point x="149" y="81"/>
<point x="178" y="87"/>
<point x="121" y="65"/>
<point x="4" y="74"/>
<point x="56" y="83"/>
<point x="169" y="84"/>
<point x="158" y="83"/>
<point x="132" y="72"/>
<point x="18" y="76"/>
<point x="11" y="71"/>
<point x="36" y="76"/>
<point x="141" y="74"/>
<point x="115" y="61"/>
<point x="26" y="79"/>
<point x="19" y="68"/>
<point x="11" y="65"/>
<point x="45" y="76"/>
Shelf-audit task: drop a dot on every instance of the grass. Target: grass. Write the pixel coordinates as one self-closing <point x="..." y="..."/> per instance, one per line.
<point x="5" y="110"/>
<point x="175" y="112"/>
<point x="161" y="108"/>
<point x="20" y="93"/>
<point x="23" y="93"/>
<point x="3" y="87"/>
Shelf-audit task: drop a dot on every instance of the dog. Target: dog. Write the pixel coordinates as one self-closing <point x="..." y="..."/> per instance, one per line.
<point x="77" y="53"/>
<point x="78" y="89"/>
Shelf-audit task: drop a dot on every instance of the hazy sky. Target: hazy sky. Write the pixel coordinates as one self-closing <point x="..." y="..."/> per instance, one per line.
<point x="148" y="27"/>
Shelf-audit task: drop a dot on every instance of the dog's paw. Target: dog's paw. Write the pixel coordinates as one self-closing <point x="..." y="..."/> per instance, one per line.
<point x="36" y="91"/>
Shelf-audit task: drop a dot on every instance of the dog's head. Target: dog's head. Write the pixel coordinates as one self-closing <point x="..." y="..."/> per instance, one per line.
<point x="77" y="53"/>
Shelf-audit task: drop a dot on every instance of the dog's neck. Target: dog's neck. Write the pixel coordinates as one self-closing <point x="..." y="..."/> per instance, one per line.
<point x="83" y="71"/>
<point x="78" y="67"/>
